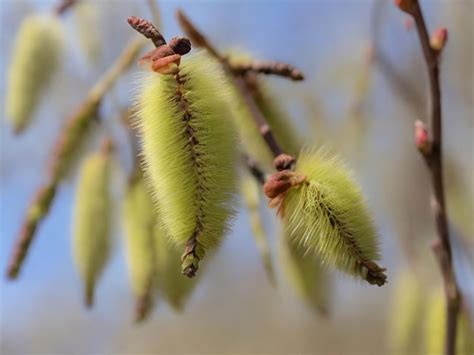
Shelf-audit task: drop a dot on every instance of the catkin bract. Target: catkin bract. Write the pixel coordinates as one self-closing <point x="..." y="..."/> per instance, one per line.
<point x="35" y="57"/>
<point x="139" y="221"/>
<point x="327" y="215"/>
<point x="189" y="149"/>
<point x="91" y="220"/>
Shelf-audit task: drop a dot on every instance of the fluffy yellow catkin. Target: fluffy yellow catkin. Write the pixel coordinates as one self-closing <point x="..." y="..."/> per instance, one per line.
<point x="251" y="195"/>
<point x="326" y="214"/>
<point x="406" y="315"/>
<point x="35" y="57"/>
<point x="435" y="328"/>
<point x="189" y="153"/>
<point x="251" y="140"/>
<point x="91" y="219"/>
<point x="306" y="276"/>
<point x="171" y="284"/>
<point x="139" y="221"/>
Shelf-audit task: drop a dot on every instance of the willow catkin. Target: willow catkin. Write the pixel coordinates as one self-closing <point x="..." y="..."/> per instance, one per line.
<point x="435" y="328"/>
<point x="189" y="153"/>
<point x="170" y="283"/>
<point x="326" y="214"/>
<point x="251" y="195"/>
<point x="139" y="222"/>
<point x="91" y="220"/>
<point x="406" y="315"/>
<point x="87" y="22"/>
<point x="35" y="57"/>
<point x="250" y="138"/>
<point x="306" y="276"/>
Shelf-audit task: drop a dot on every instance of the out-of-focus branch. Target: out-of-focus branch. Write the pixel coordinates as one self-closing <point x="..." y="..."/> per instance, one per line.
<point x="254" y="169"/>
<point x="268" y="67"/>
<point x="63" y="6"/>
<point x="198" y="39"/>
<point x="66" y="145"/>
<point x="430" y="146"/>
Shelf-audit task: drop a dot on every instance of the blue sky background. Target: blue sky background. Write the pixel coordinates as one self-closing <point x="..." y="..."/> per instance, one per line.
<point x="234" y="309"/>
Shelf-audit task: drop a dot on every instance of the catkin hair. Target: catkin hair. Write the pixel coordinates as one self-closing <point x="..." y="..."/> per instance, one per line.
<point x="91" y="226"/>
<point x="327" y="215"/>
<point x="35" y="57"/>
<point x="139" y="220"/>
<point x="189" y="150"/>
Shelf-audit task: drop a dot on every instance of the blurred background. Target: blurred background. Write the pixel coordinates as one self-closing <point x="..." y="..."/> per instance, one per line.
<point x="365" y="86"/>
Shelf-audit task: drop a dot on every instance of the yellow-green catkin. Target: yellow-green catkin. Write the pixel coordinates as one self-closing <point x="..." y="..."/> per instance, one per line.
<point x="252" y="196"/>
<point x="435" y="328"/>
<point x="306" y="275"/>
<point x="171" y="284"/>
<point x="35" y="57"/>
<point x="139" y="221"/>
<point x="189" y="152"/>
<point x="327" y="215"/>
<point x="86" y="18"/>
<point x="251" y="140"/>
<point x="91" y="227"/>
<point x="406" y="315"/>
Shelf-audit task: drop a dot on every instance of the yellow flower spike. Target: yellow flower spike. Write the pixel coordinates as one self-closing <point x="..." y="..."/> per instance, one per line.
<point x="35" y="58"/>
<point x="435" y="328"/>
<point x="189" y="154"/>
<point x="407" y="312"/>
<point x="324" y="213"/>
<point x="139" y="221"/>
<point x="87" y="21"/>
<point x="306" y="276"/>
<point x="171" y="284"/>
<point x="251" y="195"/>
<point x="91" y="227"/>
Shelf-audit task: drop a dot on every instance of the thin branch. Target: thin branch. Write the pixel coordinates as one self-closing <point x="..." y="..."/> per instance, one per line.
<point x="63" y="6"/>
<point x="66" y="144"/>
<point x="198" y="39"/>
<point x="433" y="158"/>
<point x="268" y="67"/>
<point x="254" y="169"/>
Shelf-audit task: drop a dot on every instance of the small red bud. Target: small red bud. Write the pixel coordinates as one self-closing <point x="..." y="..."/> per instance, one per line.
<point x="407" y="6"/>
<point x="422" y="140"/>
<point x="439" y="38"/>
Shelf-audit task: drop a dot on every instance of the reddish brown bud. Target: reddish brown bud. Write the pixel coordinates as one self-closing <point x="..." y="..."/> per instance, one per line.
<point x="284" y="162"/>
<point x="422" y="140"/>
<point x="407" y="6"/>
<point x="439" y="38"/>
<point x="278" y="183"/>
<point x="180" y="45"/>
<point x="147" y="29"/>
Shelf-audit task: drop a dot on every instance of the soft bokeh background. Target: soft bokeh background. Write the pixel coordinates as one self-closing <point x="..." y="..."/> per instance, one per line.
<point x="354" y="54"/>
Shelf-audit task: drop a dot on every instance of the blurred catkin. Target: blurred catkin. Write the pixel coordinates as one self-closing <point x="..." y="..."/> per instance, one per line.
<point x="139" y="220"/>
<point x="306" y="276"/>
<point x="251" y="194"/>
<point x="171" y="284"/>
<point x="35" y="57"/>
<point x="86" y="19"/>
<point x="435" y="328"/>
<point x="91" y="239"/>
<point x="406" y="315"/>
<point x="251" y="139"/>
<point x="327" y="215"/>
<point x="189" y="153"/>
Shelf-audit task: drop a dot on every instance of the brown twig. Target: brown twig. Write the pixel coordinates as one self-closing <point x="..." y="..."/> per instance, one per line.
<point x="66" y="144"/>
<point x="199" y="40"/>
<point x="63" y="6"/>
<point x="433" y="157"/>
<point x="268" y="67"/>
<point x="254" y="169"/>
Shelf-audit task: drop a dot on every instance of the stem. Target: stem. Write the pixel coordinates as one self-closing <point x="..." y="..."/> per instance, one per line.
<point x="240" y="82"/>
<point x="63" y="6"/>
<point x="65" y="146"/>
<point x="433" y="158"/>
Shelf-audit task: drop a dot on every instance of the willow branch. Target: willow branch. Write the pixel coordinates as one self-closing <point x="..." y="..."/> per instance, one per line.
<point x="63" y="6"/>
<point x="254" y="169"/>
<point x="269" y="68"/>
<point x="66" y="145"/>
<point x="198" y="39"/>
<point x="432" y="153"/>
